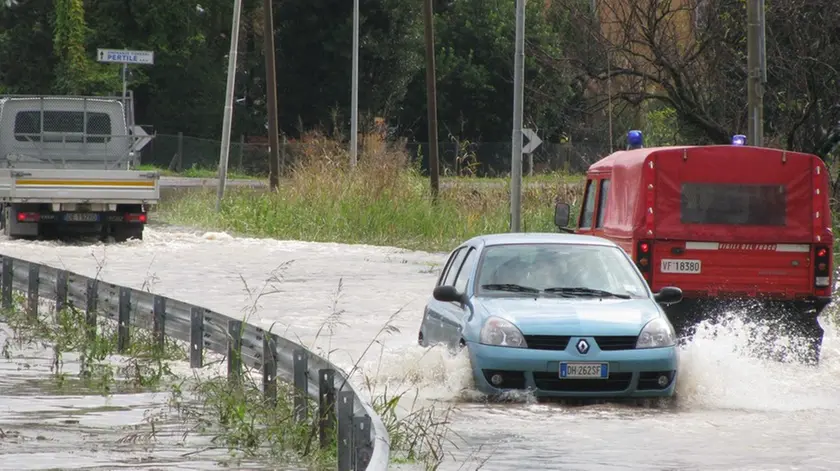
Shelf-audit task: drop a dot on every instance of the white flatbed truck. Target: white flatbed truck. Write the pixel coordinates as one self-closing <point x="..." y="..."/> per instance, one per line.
<point x="66" y="169"/>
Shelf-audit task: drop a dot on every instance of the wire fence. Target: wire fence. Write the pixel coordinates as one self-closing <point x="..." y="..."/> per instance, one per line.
<point x="344" y="418"/>
<point x="178" y="152"/>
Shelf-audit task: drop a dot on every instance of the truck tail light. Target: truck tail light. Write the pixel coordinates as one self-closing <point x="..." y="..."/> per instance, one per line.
<point x="644" y="251"/>
<point x="822" y="270"/>
<point x="136" y="217"/>
<point x="28" y="217"/>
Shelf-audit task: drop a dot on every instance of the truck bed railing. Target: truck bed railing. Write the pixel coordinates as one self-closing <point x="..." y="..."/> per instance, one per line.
<point x="58" y="149"/>
<point x="67" y="129"/>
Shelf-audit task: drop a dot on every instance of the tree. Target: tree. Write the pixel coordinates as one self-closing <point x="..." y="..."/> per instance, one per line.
<point x="314" y="43"/>
<point x="475" y="57"/>
<point x="26" y="45"/>
<point x="690" y="55"/>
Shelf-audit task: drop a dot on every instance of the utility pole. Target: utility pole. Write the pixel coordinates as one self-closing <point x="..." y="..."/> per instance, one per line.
<point x="271" y="96"/>
<point x="229" y="89"/>
<point x="354" y="86"/>
<point x="516" y="141"/>
<point x="431" y="97"/>
<point x="756" y="72"/>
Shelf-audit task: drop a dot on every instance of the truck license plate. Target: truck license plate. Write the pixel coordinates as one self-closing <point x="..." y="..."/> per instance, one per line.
<point x="668" y="265"/>
<point x="585" y="370"/>
<point x="81" y="217"/>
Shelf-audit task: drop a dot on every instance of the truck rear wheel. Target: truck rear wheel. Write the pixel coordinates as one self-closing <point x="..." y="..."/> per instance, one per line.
<point x="124" y="232"/>
<point x="806" y="327"/>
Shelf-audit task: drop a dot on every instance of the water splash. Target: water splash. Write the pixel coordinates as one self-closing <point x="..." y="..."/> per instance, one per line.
<point x="436" y="373"/>
<point x="720" y="368"/>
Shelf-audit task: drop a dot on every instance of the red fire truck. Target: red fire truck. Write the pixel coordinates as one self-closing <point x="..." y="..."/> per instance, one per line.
<point x="725" y="223"/>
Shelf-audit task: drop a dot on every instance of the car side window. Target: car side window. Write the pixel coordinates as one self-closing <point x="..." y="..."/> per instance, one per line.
<point x="466" y="268"/>
<point x="602" y="202"/>
<point x="453" y="268"/>
<point x="448" y="265"/>
<point x="588" y="209"/>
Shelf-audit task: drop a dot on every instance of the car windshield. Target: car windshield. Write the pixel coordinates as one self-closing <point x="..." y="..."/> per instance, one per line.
<point x="558" y="270"/>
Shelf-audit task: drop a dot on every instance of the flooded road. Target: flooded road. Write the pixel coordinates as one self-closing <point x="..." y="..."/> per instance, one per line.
<point x="733" y="411"/>
<point x="46" y="427"/>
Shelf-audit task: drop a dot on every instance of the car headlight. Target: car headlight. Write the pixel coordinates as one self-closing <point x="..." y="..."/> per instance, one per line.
<point x="501" y="333"/>
<point x="657" y="333"/>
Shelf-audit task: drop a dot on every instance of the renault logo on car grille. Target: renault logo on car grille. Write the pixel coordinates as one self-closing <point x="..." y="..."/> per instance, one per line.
<point x="582" y="346"/>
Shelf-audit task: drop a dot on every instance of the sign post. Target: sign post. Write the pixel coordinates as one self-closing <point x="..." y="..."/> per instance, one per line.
<point x="518" y="96"/>
<point x="126" y="57"/>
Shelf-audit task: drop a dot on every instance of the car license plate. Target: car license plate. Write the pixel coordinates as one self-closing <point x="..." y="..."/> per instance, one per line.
<point x="585" y="370"/>
<point x="668" y="265"/>
<point x="81" y="217"/>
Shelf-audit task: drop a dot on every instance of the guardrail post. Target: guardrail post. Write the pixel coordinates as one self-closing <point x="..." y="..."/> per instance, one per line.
<point x="326" y="406"/>
<point x="60" y="290"/>
<point x="234" y="349"/>
<point x="269" y="369"/>
<point x="362" y="444"/>
<point x="345" y="430"/>
<point x="91" y="293"/>
<point x="8" y="281"/>
<point x="124" y="320"/>
<point x="160" y="321"/>
<point x="32" y="294"/>
<point x="301" y="381"/>
<point x="196" y="337"/>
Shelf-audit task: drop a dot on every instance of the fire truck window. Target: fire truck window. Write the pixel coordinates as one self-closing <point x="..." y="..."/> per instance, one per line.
<point x="733" y="204"/>
<point x="588" y="206"/>
<point x="602" y="202"/>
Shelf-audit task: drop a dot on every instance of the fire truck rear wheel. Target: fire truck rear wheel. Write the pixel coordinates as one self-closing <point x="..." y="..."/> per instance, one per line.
<point x="809" y="330"/>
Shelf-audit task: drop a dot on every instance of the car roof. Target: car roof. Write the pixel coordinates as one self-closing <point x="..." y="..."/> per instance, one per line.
<point x="539" y="238"/>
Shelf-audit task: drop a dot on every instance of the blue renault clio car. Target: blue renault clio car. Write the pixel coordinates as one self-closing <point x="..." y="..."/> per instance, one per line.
<point x="562" y="315"/>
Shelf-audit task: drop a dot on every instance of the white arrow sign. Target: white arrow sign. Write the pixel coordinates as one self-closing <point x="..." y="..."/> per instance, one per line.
<point x="144" y="139"/>
<point x="534" y="141"/>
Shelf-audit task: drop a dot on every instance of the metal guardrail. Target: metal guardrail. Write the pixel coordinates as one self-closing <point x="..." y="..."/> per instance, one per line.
<point x="363" y="442"/>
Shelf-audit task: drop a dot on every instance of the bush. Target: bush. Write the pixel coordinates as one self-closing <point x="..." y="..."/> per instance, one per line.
<point x="384" y="200"/>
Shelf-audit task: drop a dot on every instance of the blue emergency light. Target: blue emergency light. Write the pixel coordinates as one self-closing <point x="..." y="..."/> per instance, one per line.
<point x="635" y="139"/>
<point x="739" y="140"/>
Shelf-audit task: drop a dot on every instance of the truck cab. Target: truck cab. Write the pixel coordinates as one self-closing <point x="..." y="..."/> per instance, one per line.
<point x="728" y="224"/>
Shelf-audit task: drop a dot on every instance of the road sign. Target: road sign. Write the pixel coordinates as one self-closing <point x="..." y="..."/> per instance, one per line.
<point x="534" y="141"/>
<point x="144" y="138"/>
<point x="123" y="56"/>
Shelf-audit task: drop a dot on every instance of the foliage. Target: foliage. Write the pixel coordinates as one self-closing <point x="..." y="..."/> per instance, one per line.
<point x="475" y="66"/>
<point x="691" y="56"/>
<point x="383" y="201"/>
<point x="688" y="56"/>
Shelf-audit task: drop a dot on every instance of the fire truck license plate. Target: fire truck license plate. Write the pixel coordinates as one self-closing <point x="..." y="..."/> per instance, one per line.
<point x="679" y="266"/>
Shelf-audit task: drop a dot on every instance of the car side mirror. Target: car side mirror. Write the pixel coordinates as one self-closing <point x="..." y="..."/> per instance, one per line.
<point x="668" y="295"/>
<point x="561" y="216"/>
<point x="447" y="294"/>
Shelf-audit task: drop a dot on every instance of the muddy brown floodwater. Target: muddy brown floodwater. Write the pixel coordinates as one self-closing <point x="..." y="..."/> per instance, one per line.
<point x="44" y="426"/>
<point x="733" y="411"/>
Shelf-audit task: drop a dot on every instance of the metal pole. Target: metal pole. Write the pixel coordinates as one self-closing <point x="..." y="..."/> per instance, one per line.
<point x="762" y="63"/>
<point x="431" y="97"/>
<point x="271" y="97"/>
<point x="754" y="92"/>
<point x="125" y="80"/>
<point x="516" y="142"/>
<point x="228" y="119"/>
<point x="125" y="91"/>
<point x="354" y="86"/>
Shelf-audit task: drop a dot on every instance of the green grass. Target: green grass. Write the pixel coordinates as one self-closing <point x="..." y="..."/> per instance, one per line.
<point x="381" y="202"/>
